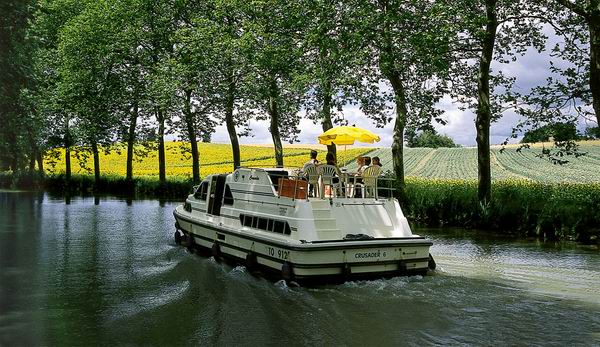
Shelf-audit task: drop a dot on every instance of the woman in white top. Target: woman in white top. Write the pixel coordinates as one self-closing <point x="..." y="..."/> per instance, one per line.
<point x="367" y="163"/>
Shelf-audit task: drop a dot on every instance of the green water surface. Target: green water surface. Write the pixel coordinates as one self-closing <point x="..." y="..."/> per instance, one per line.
<point x="107" y="272"/>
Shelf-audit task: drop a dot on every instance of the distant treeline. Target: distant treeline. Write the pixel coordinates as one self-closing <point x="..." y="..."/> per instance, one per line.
<point x="90" y="73"/>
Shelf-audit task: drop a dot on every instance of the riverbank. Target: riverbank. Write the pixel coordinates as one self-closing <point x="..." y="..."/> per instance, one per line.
<point x="141" y="186"/>
<point x="557" y="211"/>
<point x="530" y="209"/>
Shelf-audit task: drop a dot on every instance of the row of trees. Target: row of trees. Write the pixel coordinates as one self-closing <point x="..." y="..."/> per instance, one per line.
<point x="89" y="73"/>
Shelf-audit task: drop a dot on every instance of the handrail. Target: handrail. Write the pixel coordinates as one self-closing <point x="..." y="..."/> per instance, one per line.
<point x="346" y="185"/>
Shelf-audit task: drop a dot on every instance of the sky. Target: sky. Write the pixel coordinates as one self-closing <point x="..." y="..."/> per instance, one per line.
<point x="530" y="70"/>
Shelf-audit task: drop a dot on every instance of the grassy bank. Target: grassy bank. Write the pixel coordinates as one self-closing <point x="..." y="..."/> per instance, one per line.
<point x="550" y="211"/>
<point x="521" y="207"/>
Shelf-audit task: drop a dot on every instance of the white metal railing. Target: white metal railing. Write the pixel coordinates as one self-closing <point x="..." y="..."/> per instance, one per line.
<point x="349" y="185"/>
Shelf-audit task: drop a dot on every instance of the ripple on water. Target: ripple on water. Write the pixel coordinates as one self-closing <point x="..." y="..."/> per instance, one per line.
<point x="147" y="300"/>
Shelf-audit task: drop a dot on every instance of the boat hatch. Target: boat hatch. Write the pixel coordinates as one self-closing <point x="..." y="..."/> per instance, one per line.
<point x="215" y="197"/>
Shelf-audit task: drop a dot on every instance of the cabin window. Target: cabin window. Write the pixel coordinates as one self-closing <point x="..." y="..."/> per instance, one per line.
<point x="202" y="191"/>
<point x="278" y="228"/>
<point x="267" y="224"/>
<point x="270" y="225"/>
<point x="228" y="197"/>
<point x="262" y="223"/>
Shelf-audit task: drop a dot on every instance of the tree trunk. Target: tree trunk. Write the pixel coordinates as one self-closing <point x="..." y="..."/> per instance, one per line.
<point x="398" y="135"/>
<point x="594" y="27"/>
<point x="40" y="162"/>
<point x="326" y="115"/>
<point x="32" y="157"/>
<point x="161" y="147"/>
<point x="484" y="113"/>
<point x="191" y="129"/>
<point x="68" y="163"/>
<point x="131" y="140"/>
<point x="96" y="163"/>
<point x="230" y="123"/>
<point x="274" y="127"/>
<point x="67" y="141"/>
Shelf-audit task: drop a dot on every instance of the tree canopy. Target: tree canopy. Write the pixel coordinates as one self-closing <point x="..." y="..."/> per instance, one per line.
<point x="98" y="75"/>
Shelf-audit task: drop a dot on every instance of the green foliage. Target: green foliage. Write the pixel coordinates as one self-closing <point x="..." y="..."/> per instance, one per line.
<point x="430" y="139"/>
<point x="175" y="187"/>
<point x="552" y="211"/>
<point x="556" y="131"/>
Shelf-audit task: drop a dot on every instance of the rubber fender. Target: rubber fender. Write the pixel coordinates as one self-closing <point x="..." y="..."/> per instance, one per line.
<point x="177" y="237"/>
<point x="190" y="242"/>
<point x="431" y="263"/>
<point x="346" y="271"/>
<point x="402" y="267"/>
<point x="251" y="261"/>
<point x="216" y="250"/>
<point x="287" y="271"/>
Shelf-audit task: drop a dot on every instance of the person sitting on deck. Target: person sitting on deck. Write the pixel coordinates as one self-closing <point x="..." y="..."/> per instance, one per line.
<point x="367" y="163"/>
<point x="330" y="173"/>
<point x="313" y="160"/>
<point x="377" y="161"/>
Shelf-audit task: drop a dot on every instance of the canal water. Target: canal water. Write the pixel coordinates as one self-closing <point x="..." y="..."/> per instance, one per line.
<point x="107" y="272"/>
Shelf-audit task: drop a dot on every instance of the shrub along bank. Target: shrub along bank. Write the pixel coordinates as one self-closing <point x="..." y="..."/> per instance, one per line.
<point x="524" y="208"/>
<point x="141" y="186"/>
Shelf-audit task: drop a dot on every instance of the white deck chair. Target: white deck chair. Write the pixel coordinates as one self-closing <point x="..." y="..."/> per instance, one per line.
<point x="327" y="174"/>
<point x="369" y="185"/>
<point x="312" y="175"/>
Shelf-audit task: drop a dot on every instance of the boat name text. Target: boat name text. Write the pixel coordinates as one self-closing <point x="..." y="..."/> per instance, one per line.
<point x="374" y="254"/>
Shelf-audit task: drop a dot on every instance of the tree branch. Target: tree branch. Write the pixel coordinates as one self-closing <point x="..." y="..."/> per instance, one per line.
<point x="573" y="7"/>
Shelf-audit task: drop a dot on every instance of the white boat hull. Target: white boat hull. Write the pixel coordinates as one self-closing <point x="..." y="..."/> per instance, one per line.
<point x="307" y="261"/>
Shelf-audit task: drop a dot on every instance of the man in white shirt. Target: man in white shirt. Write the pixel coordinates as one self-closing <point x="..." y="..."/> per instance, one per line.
<point x="313" y="160"/>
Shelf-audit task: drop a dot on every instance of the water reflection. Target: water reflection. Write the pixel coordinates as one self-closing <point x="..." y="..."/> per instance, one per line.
<point x="84" y="272"/>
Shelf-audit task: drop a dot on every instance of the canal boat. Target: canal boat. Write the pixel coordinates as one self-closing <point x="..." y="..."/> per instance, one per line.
<point x="268" y="220"/>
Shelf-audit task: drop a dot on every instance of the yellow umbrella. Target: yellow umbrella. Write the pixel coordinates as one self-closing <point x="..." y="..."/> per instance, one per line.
<point x="347" y="135"/>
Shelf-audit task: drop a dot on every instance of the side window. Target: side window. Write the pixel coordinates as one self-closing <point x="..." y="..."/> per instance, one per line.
<point x="227" y="197"/>
<point x="202" y="191"/>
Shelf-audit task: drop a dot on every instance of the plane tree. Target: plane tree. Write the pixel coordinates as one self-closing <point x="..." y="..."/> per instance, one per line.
<point x="490" y="33"/>
<point x="274" y="29"/>
<point x="408" y="41"/>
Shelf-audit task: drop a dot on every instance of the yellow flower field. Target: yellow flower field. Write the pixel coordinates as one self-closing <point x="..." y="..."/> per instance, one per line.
<point x="214" y="158"/>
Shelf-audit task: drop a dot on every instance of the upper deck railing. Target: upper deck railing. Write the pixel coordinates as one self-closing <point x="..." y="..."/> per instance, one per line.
<point x="296" y="185"/>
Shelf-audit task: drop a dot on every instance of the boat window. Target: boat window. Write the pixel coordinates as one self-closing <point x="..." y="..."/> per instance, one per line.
<point x="278" y="228"/>
<point x="228" y="197"/>
<point x="262" y="223"/>
<point x="202" y="191"/>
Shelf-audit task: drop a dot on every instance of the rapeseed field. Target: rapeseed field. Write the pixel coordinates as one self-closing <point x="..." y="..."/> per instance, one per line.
<point x="214" y="158"/>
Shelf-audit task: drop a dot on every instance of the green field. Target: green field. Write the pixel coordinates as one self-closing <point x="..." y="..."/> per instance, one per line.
<point x="461" y="163"/>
